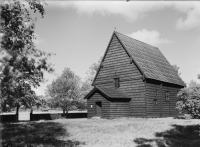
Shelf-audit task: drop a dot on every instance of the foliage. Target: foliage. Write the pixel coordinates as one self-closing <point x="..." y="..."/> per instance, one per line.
<point x="93" y="70"/>
<point x="198" y="76"/>
<point x="22" y="65"/>
<point x="189" y="100"/>
<point x="41" y="102"/>
<point x="176" y="68"/>
<point x="87" y="84"/>
<point x="65" y="90"/>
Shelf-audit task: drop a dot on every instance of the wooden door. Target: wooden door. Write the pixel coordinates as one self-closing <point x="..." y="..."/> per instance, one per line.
<point x="98" y="108"/>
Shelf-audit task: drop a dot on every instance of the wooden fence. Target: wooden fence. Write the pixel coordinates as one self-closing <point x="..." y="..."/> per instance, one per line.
<point x="27" y="116"/>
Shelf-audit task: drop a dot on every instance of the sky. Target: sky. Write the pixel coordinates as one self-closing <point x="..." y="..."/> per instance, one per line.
<point x="78" y="32"/>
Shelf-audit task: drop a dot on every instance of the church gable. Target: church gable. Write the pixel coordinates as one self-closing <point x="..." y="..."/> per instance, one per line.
<point x="116" y="63"/>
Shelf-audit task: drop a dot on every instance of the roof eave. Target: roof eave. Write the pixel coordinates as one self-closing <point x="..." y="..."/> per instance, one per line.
<point x="89" y="93"/>
<point x="103" y="92"/>
<point x="121" y="97"/>
<point x="95" y="89"/>
<point x="183" y="85"/>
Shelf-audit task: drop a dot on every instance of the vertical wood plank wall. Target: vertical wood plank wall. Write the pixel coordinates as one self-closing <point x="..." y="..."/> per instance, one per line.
<point x="117" y="62"/>
<point x="105" y="105"/>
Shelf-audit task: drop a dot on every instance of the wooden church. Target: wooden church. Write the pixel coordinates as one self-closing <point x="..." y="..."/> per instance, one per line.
<point x="134" y="79"/>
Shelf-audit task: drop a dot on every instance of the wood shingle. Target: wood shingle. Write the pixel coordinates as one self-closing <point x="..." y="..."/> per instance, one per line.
<point x="111" y="93"/>
<point x="131" y="77"/>
<point x="150" y="60"/>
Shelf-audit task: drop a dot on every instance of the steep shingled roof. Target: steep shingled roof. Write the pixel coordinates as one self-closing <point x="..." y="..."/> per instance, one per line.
<point x="150" y="60"/>
<point x="108" y="92"/>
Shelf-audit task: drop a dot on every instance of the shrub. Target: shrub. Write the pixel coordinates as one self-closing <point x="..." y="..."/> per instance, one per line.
<point x="189" y="100"/>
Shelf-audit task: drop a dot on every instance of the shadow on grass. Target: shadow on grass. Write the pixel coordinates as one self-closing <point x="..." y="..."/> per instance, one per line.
<point x="179" y="136"/>
<point x="35" y="134"/>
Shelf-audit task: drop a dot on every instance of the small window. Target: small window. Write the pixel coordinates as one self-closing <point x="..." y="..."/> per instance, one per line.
<point x="117" y="84"/>
<point x="156" y="93"/>
<point x="167" y="95"/>
<point x="155" y="101"/>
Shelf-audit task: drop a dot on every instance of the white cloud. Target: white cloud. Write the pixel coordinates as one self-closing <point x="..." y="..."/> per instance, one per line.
<point x="131" y="11"/>
<point x="134" y="10"/>
<point x="149" y="37"/>
<point x="193" y="17"/>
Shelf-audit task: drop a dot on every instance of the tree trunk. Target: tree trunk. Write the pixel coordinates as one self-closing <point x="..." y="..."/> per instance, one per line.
<point x="31" y="110"/>
<point x="64" y="112"/>
<point x="17" y="113"/>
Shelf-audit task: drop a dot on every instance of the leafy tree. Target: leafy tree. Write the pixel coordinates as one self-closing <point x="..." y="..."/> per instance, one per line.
<point x="198" y="76"/>
<point x="65" y="90"/>
<point x="176" y="68"/>
<point x="87" y="84"/>
<point x="93" y="70"/>
<point x="189" y="100"/>
<point x="22" y="65"/>
<point x="41" y="102"/>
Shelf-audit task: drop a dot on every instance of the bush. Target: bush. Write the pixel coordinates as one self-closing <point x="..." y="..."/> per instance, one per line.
<point x="189" y="100"/>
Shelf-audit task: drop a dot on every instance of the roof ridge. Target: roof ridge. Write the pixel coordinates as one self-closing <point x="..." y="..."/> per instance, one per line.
<point x="137" y="40"/>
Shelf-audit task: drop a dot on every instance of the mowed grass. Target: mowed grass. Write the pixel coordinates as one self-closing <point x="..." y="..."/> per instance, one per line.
<point x="122" y="132"/>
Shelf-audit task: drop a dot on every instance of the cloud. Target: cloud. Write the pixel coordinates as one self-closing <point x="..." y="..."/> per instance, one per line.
<point x="149" y="37"/>
<point x="133" y="10"/>
<point x="193" y="17"/>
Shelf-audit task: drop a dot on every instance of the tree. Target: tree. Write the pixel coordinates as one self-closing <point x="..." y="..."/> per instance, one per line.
<point x="22" y="65"/>
<point x="41" y="102"/>
<point x="189" y="100"/>
<point x="198" y="76"/>
<point x="87" y="84"/>
<point x="93" y="70"/>
<point x="65" y="90"/>
<point x="176" y="68"/>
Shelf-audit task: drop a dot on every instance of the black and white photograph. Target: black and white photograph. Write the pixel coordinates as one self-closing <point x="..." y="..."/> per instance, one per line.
<point x="97" y="73"/>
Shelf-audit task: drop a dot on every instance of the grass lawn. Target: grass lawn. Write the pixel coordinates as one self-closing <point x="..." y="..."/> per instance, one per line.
<point x="123" y="132"/>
